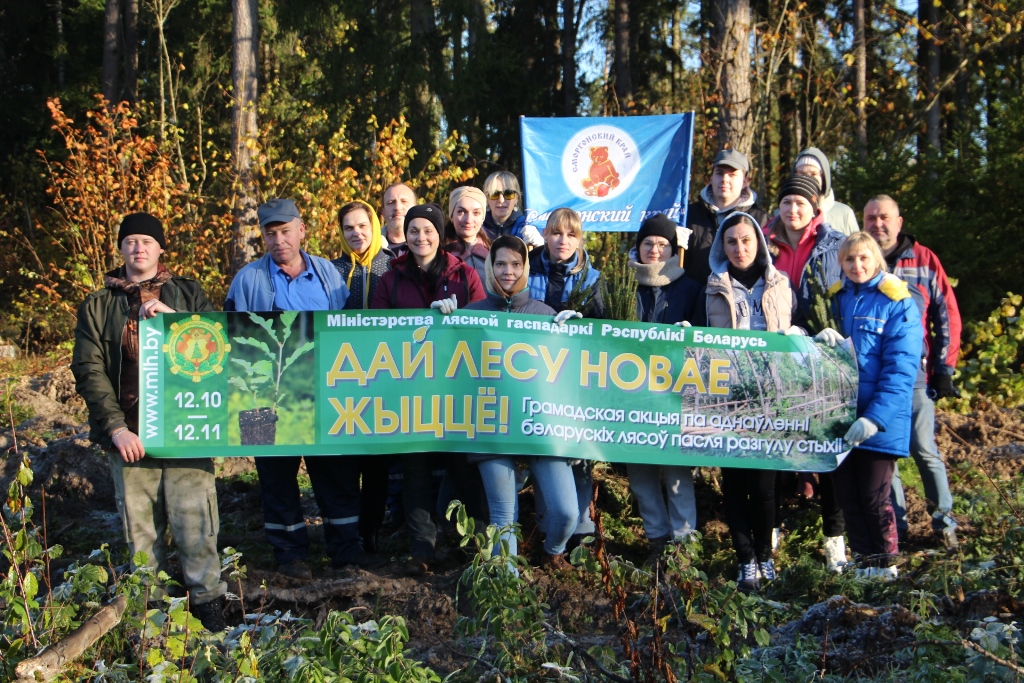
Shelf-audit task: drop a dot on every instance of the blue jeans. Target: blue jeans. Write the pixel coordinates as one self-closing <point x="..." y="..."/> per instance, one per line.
<point x="930" y="464"/>
<point x="499" y="478"/>
<point x="558" y="508"/>
<point x="666" y="499"/>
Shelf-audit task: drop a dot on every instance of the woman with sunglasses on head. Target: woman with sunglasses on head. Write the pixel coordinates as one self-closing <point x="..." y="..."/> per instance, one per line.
<point x="664" y="493"/>
<point x="425" y="276"/>
<point x="464" y="236"/>
<point x="503" y="214"/>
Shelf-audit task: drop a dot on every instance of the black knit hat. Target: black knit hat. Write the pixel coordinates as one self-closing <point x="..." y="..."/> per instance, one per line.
<point x="658" y="225"/>
<point x="802" y="185"/>
<point x="432" y="212"/>
<point x="141" y="224"/>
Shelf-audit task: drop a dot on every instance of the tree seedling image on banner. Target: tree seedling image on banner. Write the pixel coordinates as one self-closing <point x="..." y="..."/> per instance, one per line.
<point x="264" y="370"/>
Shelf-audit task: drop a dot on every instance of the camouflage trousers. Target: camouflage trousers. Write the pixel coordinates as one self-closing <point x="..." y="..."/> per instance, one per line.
<point x="157" y="495"/>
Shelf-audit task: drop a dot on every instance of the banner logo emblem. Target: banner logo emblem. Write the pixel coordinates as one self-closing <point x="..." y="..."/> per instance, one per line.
<point x="600" y="162"/>
<point x="196" y="348"/>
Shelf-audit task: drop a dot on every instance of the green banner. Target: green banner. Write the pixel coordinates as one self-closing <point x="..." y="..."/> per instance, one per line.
<point x="364" y="383"/>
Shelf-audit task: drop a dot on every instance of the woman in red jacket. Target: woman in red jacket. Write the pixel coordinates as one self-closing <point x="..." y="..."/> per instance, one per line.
<point x="427" y="277"/>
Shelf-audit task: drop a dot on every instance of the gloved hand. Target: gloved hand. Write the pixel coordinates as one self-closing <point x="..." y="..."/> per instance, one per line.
<point x="446" y="306"/>
<point x="794" y="330"/>
<point x="683" y="323"/>
<point x="829" y="337"/>
<point x="942" y="386"/>
<point x="860" y="431"/>
<point x="531" y="235"/>
<point x="563" y="316"/>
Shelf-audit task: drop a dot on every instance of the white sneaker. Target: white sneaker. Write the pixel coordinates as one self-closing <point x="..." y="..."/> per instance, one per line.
<point x="776" y="537"/>
<point x="835" y="553"/>
<point x="886" y="573"/>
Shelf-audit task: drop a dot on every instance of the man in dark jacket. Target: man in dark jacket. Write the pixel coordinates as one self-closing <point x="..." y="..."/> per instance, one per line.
<point x="154" y="496"/>
<point x="286" y="278"/>
<point x="920" y="268"/>
<point x="727" y="191"/>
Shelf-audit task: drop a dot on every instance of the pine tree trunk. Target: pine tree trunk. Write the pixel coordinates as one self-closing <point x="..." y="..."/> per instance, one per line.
<point x="928" y="60"/>
<point x="731" y="52"/>
<point x="622" y="67"/>
<point x="860" y="56"/>
<point x="245" y="83"/>
<point x="131" y="50"/>
<point x="568" y="58"/>
<point x="111" y="51"/>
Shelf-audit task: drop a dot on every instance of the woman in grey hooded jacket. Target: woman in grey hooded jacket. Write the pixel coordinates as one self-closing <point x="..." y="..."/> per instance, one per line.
<point x="746" y="292"/>
<point x="507" y="273"/>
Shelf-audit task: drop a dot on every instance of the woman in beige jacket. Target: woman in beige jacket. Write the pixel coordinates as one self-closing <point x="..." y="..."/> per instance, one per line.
<point x="746" y="292"/>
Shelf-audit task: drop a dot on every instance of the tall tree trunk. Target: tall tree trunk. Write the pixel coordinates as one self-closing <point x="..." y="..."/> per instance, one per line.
<point x="860" y="56"/>
<point x="245" y="84"/>
<point x="622" y="68"/>
<point x="568" y="58"/>
<point x="790" y="130"/>
<point x="111" y="50"/>
<point x="731" y="51"/>
<point x="131" y="49"/>
<point x="62" y="48"/>
<point x="928" y="65"/>
<point x="422" y="117"/>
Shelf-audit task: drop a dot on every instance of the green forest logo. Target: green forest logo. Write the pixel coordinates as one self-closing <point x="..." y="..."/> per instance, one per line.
<point x="197" y="348"/>
<point x="600" y="162"/>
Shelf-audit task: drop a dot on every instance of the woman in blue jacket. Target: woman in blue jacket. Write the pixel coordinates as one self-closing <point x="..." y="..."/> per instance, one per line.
<point x="874" y="309"/>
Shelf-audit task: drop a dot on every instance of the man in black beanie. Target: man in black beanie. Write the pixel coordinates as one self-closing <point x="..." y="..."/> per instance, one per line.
<point x="154" y="496"/>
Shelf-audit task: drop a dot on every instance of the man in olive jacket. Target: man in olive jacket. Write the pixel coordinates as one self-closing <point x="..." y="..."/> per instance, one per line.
<point x="153" y="495"/>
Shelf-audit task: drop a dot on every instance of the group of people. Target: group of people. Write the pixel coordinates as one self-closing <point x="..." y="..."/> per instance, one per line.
<point x="739" y="269"/>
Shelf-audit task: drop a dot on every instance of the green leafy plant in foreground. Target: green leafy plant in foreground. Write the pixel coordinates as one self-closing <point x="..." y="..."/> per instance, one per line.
<point x="268" y="372"/>
<point x="992" y="360"/>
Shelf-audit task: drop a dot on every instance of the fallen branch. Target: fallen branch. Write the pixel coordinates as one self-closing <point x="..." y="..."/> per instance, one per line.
<point x="316" y="592"/>
<point x="49" y="663"/>
<point x="578" y="649"/>
<point x="1016" y="668"/>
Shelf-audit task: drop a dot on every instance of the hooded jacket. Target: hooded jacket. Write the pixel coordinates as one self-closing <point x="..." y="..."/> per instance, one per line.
<point x="402" y="288"/>
<point x="703" y="218"/>
<point x="362" y="273"/>
<point x="920" y="268"/>
<point x="475" y="256"/>
<point x="839" y="216"/>
<point x="884" y="324"/>
<point x="513" y="225"/>
<point x="553" y="282"/>
<point x="823" y="262"/>
<point x="96" y="360"/>
<point x="778" y="301"/>
<point x="664" y="294"/>
<point x="520" y="302"/>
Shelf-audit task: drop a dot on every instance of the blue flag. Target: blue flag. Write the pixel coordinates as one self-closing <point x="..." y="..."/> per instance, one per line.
<point x="613" y="171"/>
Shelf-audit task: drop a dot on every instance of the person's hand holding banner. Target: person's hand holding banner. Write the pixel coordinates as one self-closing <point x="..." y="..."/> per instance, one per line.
<point x="683" y="323"/>
<point x="446" y="306"/>
<point x="794" y="331"/>
<point x="561" y="318"/>
<point x="860" y="431"/>
<point x="531" y="235"/>
<point x="829" y="337"/>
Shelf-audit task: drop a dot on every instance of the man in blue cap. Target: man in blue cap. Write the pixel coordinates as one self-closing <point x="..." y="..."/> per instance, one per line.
<point x="286" y="278"/>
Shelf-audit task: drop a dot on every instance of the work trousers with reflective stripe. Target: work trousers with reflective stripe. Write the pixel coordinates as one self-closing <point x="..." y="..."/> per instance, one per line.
<point x="335" y="481"/>
<point x="157" y="495"/>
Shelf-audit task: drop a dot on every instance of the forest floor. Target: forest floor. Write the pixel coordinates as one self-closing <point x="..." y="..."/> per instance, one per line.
<point x="857" y="628"/>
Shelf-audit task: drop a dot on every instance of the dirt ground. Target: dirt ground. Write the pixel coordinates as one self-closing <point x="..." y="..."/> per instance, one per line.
<point x="80" y="510"/>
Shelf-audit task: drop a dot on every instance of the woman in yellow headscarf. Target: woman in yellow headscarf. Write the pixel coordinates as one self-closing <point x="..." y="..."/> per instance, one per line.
<point x="364" y="257"/>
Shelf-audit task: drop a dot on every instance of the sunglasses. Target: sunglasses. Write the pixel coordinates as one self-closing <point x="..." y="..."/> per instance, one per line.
<point x="509" y="195"/>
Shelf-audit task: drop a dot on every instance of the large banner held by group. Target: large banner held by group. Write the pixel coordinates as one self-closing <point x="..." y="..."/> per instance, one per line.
<point x="379" y="383"/>
<point x="614" y="171"/>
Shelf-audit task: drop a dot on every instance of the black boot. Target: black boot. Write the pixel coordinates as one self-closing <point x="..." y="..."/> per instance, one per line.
<point x="211" y="614"/>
